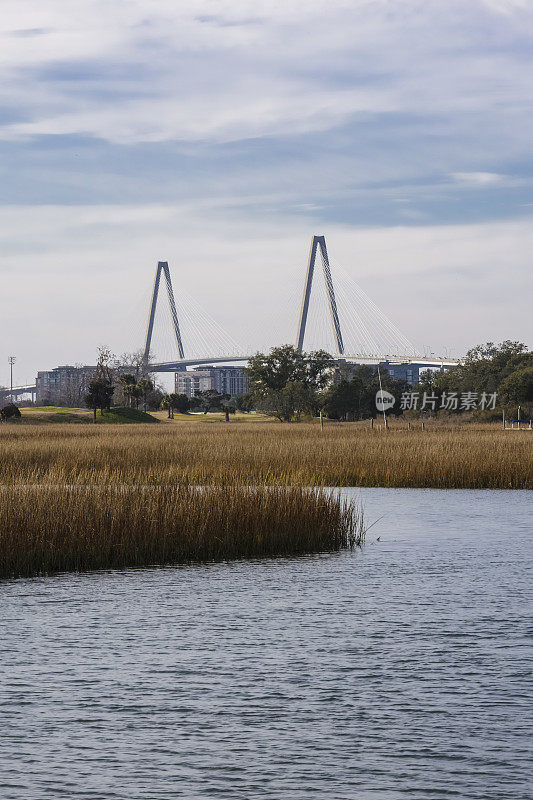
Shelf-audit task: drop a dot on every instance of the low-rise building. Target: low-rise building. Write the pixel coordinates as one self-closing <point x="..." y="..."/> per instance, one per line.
<point x="63" y="386"/>
<point x="406" y="371"/>
<point x="410" y="371"/>
<point x="226" y="380"/>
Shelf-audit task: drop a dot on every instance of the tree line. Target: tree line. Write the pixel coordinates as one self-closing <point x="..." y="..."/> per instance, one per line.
<point x="289" y="384"/>
<point x="112" y="383"/>
<point x="504" y="369"/>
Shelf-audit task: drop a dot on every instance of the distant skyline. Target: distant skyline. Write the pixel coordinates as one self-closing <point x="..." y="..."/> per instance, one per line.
<point x="221" y="136"/>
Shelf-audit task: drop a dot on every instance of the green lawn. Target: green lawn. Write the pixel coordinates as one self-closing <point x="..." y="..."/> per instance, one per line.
<point x="216" y="416"/>
<point x="38" y="415"/>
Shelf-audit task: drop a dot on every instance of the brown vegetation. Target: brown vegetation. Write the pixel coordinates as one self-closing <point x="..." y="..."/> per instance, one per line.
<point x="343" y="454"/>
<point x="49" y="529"/>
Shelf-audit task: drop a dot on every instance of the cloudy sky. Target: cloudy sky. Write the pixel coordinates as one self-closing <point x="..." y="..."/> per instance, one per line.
<point x="221" y="135"/>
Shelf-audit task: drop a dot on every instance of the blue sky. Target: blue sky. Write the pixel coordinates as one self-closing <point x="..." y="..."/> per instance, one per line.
<point x="221" y="135"/>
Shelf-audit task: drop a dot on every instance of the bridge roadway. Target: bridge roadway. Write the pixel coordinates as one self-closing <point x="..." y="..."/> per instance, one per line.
<point x="18" y="390"/>
<point x="176" y="366"/>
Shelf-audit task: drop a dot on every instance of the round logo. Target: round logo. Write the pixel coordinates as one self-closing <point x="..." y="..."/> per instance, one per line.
<point x="384" y="400"/>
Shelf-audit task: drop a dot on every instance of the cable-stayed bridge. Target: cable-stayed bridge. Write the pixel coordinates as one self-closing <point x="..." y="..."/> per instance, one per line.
<point x="336" y="316"/>
<point x="332" y="313"/>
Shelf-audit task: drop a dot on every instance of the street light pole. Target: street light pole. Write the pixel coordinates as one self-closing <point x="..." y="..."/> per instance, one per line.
<point x="11" y="360"/>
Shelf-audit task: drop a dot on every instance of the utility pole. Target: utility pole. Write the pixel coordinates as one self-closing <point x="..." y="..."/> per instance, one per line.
<point x="381" y="390"/>
<point x="11" y="361"/>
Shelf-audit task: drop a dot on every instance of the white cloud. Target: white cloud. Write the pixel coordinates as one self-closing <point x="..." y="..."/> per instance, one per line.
<point x="482" y="179"/>
<point x="221" y="71"/>
<point x="223" y="119"/>
<point x="508" y="6"/>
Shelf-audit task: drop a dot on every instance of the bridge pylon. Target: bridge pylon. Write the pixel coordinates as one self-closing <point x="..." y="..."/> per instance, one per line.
<point x="319" y="243"/>
<point x="162" y="267"/>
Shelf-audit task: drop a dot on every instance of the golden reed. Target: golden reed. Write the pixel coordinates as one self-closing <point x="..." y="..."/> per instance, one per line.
<point x="345" y="454"/>
<point x="49" y="529"/>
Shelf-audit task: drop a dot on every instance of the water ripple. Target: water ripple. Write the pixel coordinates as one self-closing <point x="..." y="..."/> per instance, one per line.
<point x="401" y="671"/>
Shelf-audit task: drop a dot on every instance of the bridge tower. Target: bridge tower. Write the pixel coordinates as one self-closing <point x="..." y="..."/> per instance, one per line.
<point x="162" y="267"/>
<point x="319" y="242"/>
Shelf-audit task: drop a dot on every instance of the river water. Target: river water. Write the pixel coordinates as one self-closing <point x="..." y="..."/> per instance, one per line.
<point x="398" y="671"/>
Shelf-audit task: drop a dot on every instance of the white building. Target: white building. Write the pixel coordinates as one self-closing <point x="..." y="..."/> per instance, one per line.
<point x="226" y="380"/>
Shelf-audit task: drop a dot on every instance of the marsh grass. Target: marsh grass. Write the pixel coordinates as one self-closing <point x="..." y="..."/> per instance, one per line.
<point x="350" y="454"/>
<point x="81" y="497"/>
<point x="50" y="529"/>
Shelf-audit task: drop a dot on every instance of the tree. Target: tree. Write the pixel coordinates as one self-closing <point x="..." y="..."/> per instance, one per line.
<point x="285" y="383"/>
<point x="105" y="364"/>
<point x="175" y="402"/>
<point x="356" y="398"/>
<point x="341" y="400"/>
<point x="166" y="404"/>
<point x="101" y="388"/>
<point x="180" y="403"/>
<point x="10" y="411"/>
<point x="154" y="398"/>
<point x="136" y="394"/>
<point x="244" y="402"/>
<point x="286" y="364"/>
<point x="99" y="395"/>
<point x="517" y="389"/>
<point x="484" y="367"/>
<point x="74" y="386"/>
<point x="227" y="406"/>
<point x="276" y="403"/>
<point x="145" y="386"/>
<point x="210" y="400"/>
<point x="135" y="361"/>
<point x="426" y="380"/>
<point x="275" y="370"/>
<point x="319" y="366"/>
<point x="128" y="384"/>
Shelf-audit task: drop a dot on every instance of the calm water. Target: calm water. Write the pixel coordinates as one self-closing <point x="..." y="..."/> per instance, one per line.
<point x="397" y="672"/>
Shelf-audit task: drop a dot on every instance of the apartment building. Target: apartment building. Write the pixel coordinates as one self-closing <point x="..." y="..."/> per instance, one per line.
<point x="226" y="380"/>
<point x="63" y="386"/>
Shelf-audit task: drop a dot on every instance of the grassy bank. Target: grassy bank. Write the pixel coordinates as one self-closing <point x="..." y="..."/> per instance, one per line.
<point x="344" y="454"/>
<point x="49" y="529"/>
<point x="53" y="415"/>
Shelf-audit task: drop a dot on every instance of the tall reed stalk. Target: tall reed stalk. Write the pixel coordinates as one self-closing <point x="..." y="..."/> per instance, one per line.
<point x="469" y="457"/>
<point x="48" y="529"/>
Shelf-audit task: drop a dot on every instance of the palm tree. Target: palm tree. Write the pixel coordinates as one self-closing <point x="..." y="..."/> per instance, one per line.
<point x="127" y="383"/>
<point x="166" y="402"/>
<point x="145" y="386"/>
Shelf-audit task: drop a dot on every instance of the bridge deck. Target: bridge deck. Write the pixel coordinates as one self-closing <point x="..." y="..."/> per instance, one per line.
<point x="176" y="366"/>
